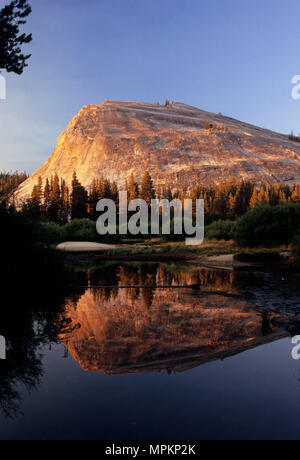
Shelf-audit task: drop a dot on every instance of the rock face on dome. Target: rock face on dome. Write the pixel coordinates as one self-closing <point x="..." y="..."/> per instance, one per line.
<point x="177" y="143"/>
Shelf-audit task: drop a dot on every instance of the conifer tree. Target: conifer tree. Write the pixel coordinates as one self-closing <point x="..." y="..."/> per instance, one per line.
<point x="133" y="188"/>
<point x="263" y="195"/>
<point x="79" y="199"/>
<point x="147" y="192"/>
<point x="295" y="197"/>
<point x="273" y="195"/>
<point x="240" y="200"/>
<point x="64" y="210"/>
<point x="55" y="203"/>
<point x="254" y="199"/>
<point x="35" y="202"/>
<point x="93" y="199"/>
<point x="46" y="205"/>
<point x="282" y="197"/>
<point x="101" y="188"/>
<point x="231" y="204"/>
<point x="168" y="194"/>
<point x="220" y="202"/>
<point x="107" y="189"/>
<point x="12" y="16"/>
<point x="114" y="190"/>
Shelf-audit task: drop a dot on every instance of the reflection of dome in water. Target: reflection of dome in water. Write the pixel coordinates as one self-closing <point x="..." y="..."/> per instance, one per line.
<point x="143" y="329"/>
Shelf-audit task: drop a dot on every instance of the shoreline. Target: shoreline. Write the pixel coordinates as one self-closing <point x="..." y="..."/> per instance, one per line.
<point x="217" y="255"/>
<point x="218" y="262"/>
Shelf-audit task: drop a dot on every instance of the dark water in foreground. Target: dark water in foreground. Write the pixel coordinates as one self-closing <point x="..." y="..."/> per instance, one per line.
<point x="206" y="356"/>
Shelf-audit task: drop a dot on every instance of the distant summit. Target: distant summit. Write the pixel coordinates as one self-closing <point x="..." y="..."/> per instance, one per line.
<point x="177" y="143"/>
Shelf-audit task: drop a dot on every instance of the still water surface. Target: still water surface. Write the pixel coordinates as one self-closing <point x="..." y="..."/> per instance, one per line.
<point x="184" y="353"/>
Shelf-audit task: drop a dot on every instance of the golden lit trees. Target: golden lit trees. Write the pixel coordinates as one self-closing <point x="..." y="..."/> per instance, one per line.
<point x="133" y="188"/>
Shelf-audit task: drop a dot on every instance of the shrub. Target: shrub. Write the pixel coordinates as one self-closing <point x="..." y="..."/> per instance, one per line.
<point x="268" y="226"/>
<point x="81" y="230"/>
<point x="50" y="233"/>
<point x="85" y="230"/>
<point x="221" y="230"/>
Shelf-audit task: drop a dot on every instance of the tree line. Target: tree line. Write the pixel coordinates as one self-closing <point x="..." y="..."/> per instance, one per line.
<point x="232" y="199"/>
<point x="55" y="201"/>
<point x="9" y="182"/>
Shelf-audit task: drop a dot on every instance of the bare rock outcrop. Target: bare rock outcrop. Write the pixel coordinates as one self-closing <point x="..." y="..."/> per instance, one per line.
<point x="177" y="143"/>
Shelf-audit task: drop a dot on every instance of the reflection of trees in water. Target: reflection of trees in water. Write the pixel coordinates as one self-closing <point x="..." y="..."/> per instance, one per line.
<point x="139" y="328"/>
<point x="23" y="363"/>
<point x="144" y="276"/>
<point x="28" y="322"/>
<point x="203" y="277"/>
<point x="266" y="327"/>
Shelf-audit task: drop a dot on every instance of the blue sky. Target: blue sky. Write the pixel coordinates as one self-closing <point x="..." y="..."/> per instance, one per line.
<point x="235" y="56"/>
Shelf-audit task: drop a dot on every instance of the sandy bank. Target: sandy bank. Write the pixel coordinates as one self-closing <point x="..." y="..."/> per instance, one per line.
<point x="84" y="246"/>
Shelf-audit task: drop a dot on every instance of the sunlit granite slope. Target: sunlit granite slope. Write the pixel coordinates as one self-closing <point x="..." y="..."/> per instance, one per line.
<point x="173" y="142"/>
